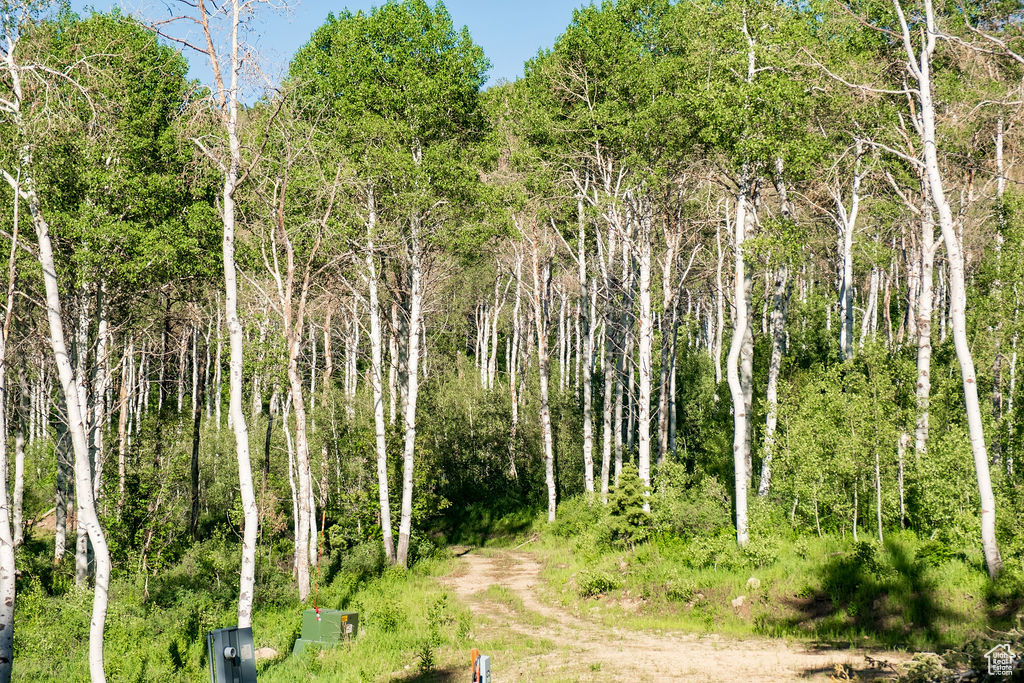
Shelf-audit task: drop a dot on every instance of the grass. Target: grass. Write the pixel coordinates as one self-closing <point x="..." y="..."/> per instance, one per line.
<point x="820" y="589"/>
<point x="901" y="595"/>
<point x="162" y="637"/>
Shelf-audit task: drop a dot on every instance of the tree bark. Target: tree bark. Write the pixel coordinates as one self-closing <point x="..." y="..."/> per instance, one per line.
<point x="741" y="444"/>
<point x="924" y="328"/>
<point x="412" y="393"/>
<point x="921" y="73"/>
<point x="645" y="342"/>
<point x="70" y="386"/>
<point x="541" y="277"/>
<point x="377" y="384"/>
<point x="587" y="364"/>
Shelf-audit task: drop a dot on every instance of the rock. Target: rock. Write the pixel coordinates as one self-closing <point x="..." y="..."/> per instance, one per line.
<point x="753" y="584"/>
<point x="266" y="653"/>
<point x="738" y="602"/>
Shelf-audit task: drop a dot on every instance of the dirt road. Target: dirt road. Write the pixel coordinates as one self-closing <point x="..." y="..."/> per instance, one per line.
<point x="573" y="648"/>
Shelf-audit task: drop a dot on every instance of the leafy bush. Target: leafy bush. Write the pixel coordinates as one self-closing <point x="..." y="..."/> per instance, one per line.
<point x="593" y="582"/>
<point x="678" y="590"/>
<point x="865" y="556"/>
<point x="713" y="551"/>
<point x="576" y="516"/>
<point x="761" y="551"/>
<point x="935" y="553"/>
<point x="386" y="615"/>
<point x="689" y="504"/>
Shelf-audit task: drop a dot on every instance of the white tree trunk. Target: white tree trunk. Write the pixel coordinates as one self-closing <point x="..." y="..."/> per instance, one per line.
<point x="847" y="223"/>
<point x="778" y="333"/>
<point x="100" y="380"/>
<point x="8" y="538"/>
<point x="218" y="387"/>
<point x="377" y="383"/>
<point x="70" y="386"/>
<point x="921" y="72"/>
<point x="924" y="328"/>
<point x="541" y="274"/>
<point x="741" y="444"/>
<point x="587" y="363"/>
<point x="645" y="343"/>
<point x="413" y="360"/>
<point x="302" y="469"/>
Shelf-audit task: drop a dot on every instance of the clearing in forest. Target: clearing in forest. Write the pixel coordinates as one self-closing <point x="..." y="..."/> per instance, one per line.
<point x="532" y="639"/>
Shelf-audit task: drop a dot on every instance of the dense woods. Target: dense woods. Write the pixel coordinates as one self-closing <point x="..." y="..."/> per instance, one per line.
<point x="736" y="274"/>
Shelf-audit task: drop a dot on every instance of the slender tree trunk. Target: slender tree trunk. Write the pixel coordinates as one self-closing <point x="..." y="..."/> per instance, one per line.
<point x="376" y="382"/>
<point x="217" y="382"/>
<point x="541" y="276"/>
<point x="924" y="328"/>
<point x="492" y="365"/>
<point x="271" y="415"/>
<point x="7" y="535"/>
<point x="780" y="301"/>
<point x="122" y="422"/>
<point x="65" y="465"/>
<point x="79" y="360"/>
<point x="182" y="359"/>
<point x="413" y="360"/>
<point x="587" y="330"/>
<point x="297" y="530"/>
<point x="741" y="445"/>
<point x="513" y="380"/>
<point x="847" y="223"/>
<point x="921" y="71"/>
<point x="100" y="380"/>
<point x="668" y="324"/>
<point x="70" y="386"/>
<point x="250" y="514"/>
<point x="10" y="537"/>
<point x="778" y="332"/>
<point x="644" y="343"/>
<point x="608" y="366"/>
<point x="197" y="414"/>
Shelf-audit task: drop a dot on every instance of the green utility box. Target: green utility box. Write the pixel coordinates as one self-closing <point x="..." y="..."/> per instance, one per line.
<point x="326" y="629"/>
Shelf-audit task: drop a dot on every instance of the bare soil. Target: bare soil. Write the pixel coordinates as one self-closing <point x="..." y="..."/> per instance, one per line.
<point x="571" y="647"/>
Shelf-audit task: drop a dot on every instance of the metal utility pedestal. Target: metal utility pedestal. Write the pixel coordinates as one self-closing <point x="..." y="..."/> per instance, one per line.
<point x="232" y="655"/>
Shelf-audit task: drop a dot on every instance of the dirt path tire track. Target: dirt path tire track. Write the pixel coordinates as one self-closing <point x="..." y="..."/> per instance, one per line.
<point x="586" y="650"/>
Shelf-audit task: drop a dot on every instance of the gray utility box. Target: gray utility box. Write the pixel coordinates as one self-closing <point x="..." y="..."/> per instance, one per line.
<point x="326" y="629"/>
<point x="232" y="655"/>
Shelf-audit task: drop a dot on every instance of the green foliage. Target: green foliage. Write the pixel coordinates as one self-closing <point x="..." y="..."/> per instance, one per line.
<point x="627" y="520"/>
<point x="593" y="582"/>
<point x="689" y="505"/>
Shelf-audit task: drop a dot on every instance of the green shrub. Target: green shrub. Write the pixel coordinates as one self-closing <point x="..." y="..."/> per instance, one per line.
<point x="678" y="590"/>
<point x="865" y="556"/>
<point x="689" y="504"/>
<point x="713" y="551"/>
<point x="593" y="582"/>
<point x="628" y="521"/>
<point x="935" y="553"/>
<point x="761" y="551"/>
<point x="576" y="516"/>
<point x="385" y="616"/>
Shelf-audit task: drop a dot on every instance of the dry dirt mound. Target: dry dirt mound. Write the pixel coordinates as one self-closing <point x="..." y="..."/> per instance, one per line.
<point x="580" y="649"/>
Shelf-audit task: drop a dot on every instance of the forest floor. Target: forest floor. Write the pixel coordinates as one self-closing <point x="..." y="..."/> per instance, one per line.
<point x="536" y="639"/>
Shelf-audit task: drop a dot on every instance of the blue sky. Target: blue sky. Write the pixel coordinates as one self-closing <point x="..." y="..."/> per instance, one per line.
<point x="509" y="31"/>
